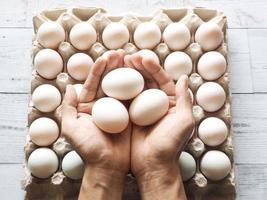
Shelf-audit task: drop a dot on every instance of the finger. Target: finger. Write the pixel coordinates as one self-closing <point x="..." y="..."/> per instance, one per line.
<point x="128" y="61"/>
<point x="85" y="107"/>
<point x="91" y="84"/>
<point x="121" y="54"/>
<point x="183" y="98"/>
<point x="69" y="111"/>
<point x="161" y="77"/>
<point x="137" y="62"/>
<point x="112" y="59"/>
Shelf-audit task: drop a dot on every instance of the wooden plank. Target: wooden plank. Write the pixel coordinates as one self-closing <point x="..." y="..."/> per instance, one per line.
<point x="15" y="51"/>
<point x="258" y="52"/>
<point x="10" y="181"/>
<point x="13" y="121"/>
<point x="250" y="125"/>
<point x="251" y="181"/>
<point x="239" y="61"/>
<point x="13" y="13"/>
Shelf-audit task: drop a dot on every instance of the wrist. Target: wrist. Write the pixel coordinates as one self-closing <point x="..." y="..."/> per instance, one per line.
<point x="101" y="183"/>
<point x="161" y="183"/>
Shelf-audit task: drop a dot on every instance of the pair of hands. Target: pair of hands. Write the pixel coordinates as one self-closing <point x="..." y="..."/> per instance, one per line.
<point x="149" y="152"/>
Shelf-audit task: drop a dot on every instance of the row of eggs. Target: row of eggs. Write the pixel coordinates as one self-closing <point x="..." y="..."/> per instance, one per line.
<point x="43" y="163"/>
<point x="45" y="131"/>
<point x="210" y="95"/>
<point x="146" y="36"/>
<point x="211" y="65"/>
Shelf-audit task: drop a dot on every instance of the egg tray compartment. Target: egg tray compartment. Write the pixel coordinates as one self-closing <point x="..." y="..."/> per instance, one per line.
<point x="198" y="187"/>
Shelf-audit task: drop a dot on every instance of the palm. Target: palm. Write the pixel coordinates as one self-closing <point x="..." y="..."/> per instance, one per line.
<point x="95" y="146"/>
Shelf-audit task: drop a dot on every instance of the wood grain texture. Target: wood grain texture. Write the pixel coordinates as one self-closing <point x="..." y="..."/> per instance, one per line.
<point x="247" y="62"/>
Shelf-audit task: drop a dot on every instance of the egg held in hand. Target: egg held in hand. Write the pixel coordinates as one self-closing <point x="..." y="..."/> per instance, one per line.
<point x="110" y="115"/>
<point x="148" y="107"/>
<point x="123" y="83"/>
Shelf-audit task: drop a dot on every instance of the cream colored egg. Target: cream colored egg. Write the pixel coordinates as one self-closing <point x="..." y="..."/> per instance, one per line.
<point x="147" y="35"/>
<point x="123" y="83"/>
<point x="73" y="166"/>
<point x="211" y="96"/>
<point x="82" y="36"/>
<point x="148" y="107"/>
<point x="43" y="163"/>
<point x="110" y="115"/>
<point x="46" y="98"/>
<point x="212" y="131"/>
<point x="209" y="35"/>
<point x="187" y="165"/>
<point x="215" y="165"/>
<point x="50" y="34"/>
<point x="177" y="64"/>
<point x="148" y="54"/>
<point x="43" y="131"/>
<point x="211" y="65"/>
<point x="176" y="36"/>
<point x="78" y="88"/>
<point x="115" y="35"/>
<point x="79" y="66"/>
<point x="48" y="63"/>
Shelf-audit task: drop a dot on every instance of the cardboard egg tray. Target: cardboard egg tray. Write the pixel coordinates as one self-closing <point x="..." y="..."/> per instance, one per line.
<point x="198" y="187"/>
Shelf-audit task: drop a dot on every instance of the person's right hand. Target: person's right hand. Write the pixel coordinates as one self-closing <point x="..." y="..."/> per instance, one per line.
<point x="154" y="149"/>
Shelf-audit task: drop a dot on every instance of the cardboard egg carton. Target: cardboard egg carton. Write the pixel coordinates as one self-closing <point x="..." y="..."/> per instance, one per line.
<point x="198" y="187"/>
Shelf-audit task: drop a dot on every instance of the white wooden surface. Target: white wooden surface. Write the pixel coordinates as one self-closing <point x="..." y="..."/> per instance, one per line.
<point x="247" y="61"/>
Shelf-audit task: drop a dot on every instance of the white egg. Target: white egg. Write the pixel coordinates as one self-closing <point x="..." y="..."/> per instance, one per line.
<point x="48" y="63"/>
<point x="43" y="131"/>
<point x="123" y="83"/>
<point x="211" y="65"/>
<point x="50" y="34"/>
<point x="73" y="166"/>
<point x="211" y="96"/>
<point x="209" y="36"/>
<point x="79" y="66"/>
<point x="110" y="115"/>
<point x="176" y="36"/>
<point x="148" y="107"/>
<point x="177" y="64"/>
<point x="78" y="88"/>
<point x="115" y="35"/>
<point x="187" y="165"/>
<point x="148" y="54"/>
<point x="215" y="165"/>
<point x="82" y="36"/>
<point x="46" y="98"/>
<point x="43" y="163"/>
<point x="147" y="35"/>
<point x="212" y="131"/>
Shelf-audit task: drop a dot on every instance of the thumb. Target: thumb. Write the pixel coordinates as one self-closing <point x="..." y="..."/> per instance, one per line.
<point x="69" y="110"/>
<point x="183" y="98"/>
